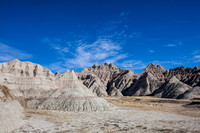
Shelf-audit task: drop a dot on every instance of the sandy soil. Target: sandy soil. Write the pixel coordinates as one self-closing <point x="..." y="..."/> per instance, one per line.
<point x="135" y="114"/>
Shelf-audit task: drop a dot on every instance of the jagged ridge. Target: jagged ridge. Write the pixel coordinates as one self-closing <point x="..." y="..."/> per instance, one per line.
<point x="103" y="80"/>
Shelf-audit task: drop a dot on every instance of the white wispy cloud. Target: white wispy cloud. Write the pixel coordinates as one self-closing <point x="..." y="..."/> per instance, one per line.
<point x="57" y="67"/>
<point x="170" y="45"/>
<point x="8" y="53"/>
<point x="133" y="64"/>
<point x="100" y="51"/>
<point x="119" y="29"/>
<point x="165" y="63"/>
<point x="197" y="56"/>
<point x="177" y="43"/>
<point x="116" y="58"/>
<point x="55" y="44"/>
<point x="196" y="52"/>
<point x="86" y="54"/>
<point x="196" y="60"/>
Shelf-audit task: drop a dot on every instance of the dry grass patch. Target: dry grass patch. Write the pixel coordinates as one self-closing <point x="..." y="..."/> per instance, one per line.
<point x="52" y="116"/>
<point x="40" y="112"/>
<point x="156" y="104"/>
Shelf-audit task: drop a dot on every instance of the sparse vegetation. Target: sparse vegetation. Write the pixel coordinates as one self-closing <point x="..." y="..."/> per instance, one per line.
<point x="157" y="104"/>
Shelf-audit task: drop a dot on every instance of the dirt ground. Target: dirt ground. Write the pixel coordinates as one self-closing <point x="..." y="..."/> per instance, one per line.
<point x="134" y="114"/>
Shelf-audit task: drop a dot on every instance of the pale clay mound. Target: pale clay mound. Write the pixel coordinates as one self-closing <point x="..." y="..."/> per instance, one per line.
<point x="73" y="96"/>
<point x="11" y="112"/>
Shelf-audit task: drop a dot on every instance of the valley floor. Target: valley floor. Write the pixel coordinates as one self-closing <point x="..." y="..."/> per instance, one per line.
<point x="135" y="114"/>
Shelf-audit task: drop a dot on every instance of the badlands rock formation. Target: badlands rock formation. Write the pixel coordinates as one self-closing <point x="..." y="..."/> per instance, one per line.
<point x="157" y="71"/>
<point x="145" y="85"/>
<point x="29" y="80"/>
<point x="44" y="90"/>
<point x="114" y="80"/>
<point x="173" y="88"/>
<point x="122" y="81"/>
<point x="154" y="80"/>
<point x="9" y="108"/>
<point x="92" y="82"/>
<point x="26" y="79"/>
<point x="191" y="93"/>
<point x="190" y="76"/>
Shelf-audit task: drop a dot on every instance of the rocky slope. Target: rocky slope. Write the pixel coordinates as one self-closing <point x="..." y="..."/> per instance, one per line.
<point x="172" y="88"/>
<point x="92" y="82"/>
<point x="114" y="80"/>
<point x="191" y="93"/>
<point x="154" y="80"/>
<point x="145" y="85"/>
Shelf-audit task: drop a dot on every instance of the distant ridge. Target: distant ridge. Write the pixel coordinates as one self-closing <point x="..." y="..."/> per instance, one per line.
<point x="124" y="82"/>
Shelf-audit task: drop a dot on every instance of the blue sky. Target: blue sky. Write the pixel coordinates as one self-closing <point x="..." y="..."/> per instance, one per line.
<point x="74" y="34"/>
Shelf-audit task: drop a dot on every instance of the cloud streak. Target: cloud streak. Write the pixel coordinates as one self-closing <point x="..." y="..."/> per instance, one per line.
<point x="170" y="45"/>
<point x="8" y="53"/>
<point x="57" y="67"/>
<point x="100" y="51"/>
<point x="134" y="64"/>
<point x="174" y="44"/>
<point x="55" y="45"/>
<point x="196" y="56"/>
<point x="169" y="64"/>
